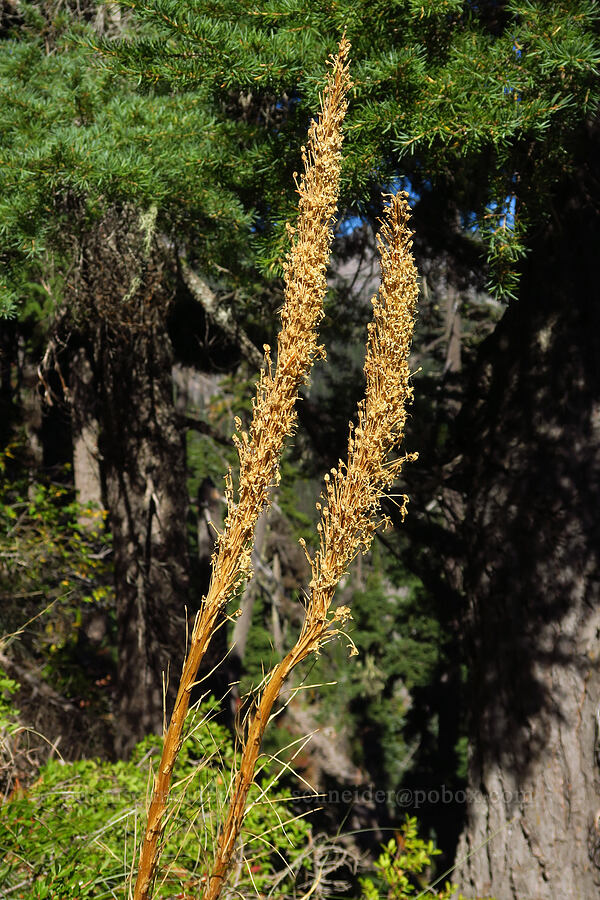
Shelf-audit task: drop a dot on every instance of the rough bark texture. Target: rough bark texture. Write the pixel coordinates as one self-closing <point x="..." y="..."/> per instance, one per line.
<point x="143" y="462"/>
<point x="530" y="435"/>
<point x="120" y="306"/>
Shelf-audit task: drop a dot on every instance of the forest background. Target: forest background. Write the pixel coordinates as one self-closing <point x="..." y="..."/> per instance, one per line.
<point x="148" y="153"/>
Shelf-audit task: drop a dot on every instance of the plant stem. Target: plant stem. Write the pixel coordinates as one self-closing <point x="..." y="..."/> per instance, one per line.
<point x="245" y="776"/>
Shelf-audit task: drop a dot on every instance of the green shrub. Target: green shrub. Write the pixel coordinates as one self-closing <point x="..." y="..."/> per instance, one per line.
<point x="73" y="833"/>
<point x="403" y="869"/>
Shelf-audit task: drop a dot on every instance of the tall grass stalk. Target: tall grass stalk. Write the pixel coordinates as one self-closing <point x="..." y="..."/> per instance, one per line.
<point x="351" y="508"/>
<point x="273" y="420"/>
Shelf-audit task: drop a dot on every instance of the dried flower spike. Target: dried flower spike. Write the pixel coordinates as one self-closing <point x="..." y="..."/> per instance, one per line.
<point x="274" y="417"/>
<point x="273" y="421"/>
<point x="353" y="495"/>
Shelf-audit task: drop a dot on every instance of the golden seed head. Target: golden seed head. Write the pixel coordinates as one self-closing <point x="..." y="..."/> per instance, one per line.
<point x="355" y="489"/>
<point x="273" y="417"/>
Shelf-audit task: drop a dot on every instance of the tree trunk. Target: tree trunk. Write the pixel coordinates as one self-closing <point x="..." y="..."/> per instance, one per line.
<point x="530" y="436"/>
<point x="120" y="306"/>
<point x="143" y="466"/>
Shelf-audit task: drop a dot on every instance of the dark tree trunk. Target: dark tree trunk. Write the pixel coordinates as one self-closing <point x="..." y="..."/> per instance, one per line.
<point x="120" y="308"/>
<point x="143" y="467"/>
<point x="530" y="437"/>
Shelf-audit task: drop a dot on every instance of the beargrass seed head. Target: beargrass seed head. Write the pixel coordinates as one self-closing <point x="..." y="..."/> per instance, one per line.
<point x="273" y="415"/>
<point x="351" y="507"/>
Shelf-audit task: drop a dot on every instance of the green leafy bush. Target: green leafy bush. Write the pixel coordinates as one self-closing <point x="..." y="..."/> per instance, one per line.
<point x="73" y="833"/>
<point x="403" y="869"/>
<point x="47" y="551"/>
<point x="55" y="560"/>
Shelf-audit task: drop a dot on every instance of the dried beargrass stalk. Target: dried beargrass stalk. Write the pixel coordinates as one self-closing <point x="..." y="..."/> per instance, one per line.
<point x="273" y="421"/>
<point x="352" y="497"/>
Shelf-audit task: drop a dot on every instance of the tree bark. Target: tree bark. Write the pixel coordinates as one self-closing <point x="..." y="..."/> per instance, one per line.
<point x="119" y="306"/>
<point x="530" y="435"/>
<point x="143" y="466"/>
